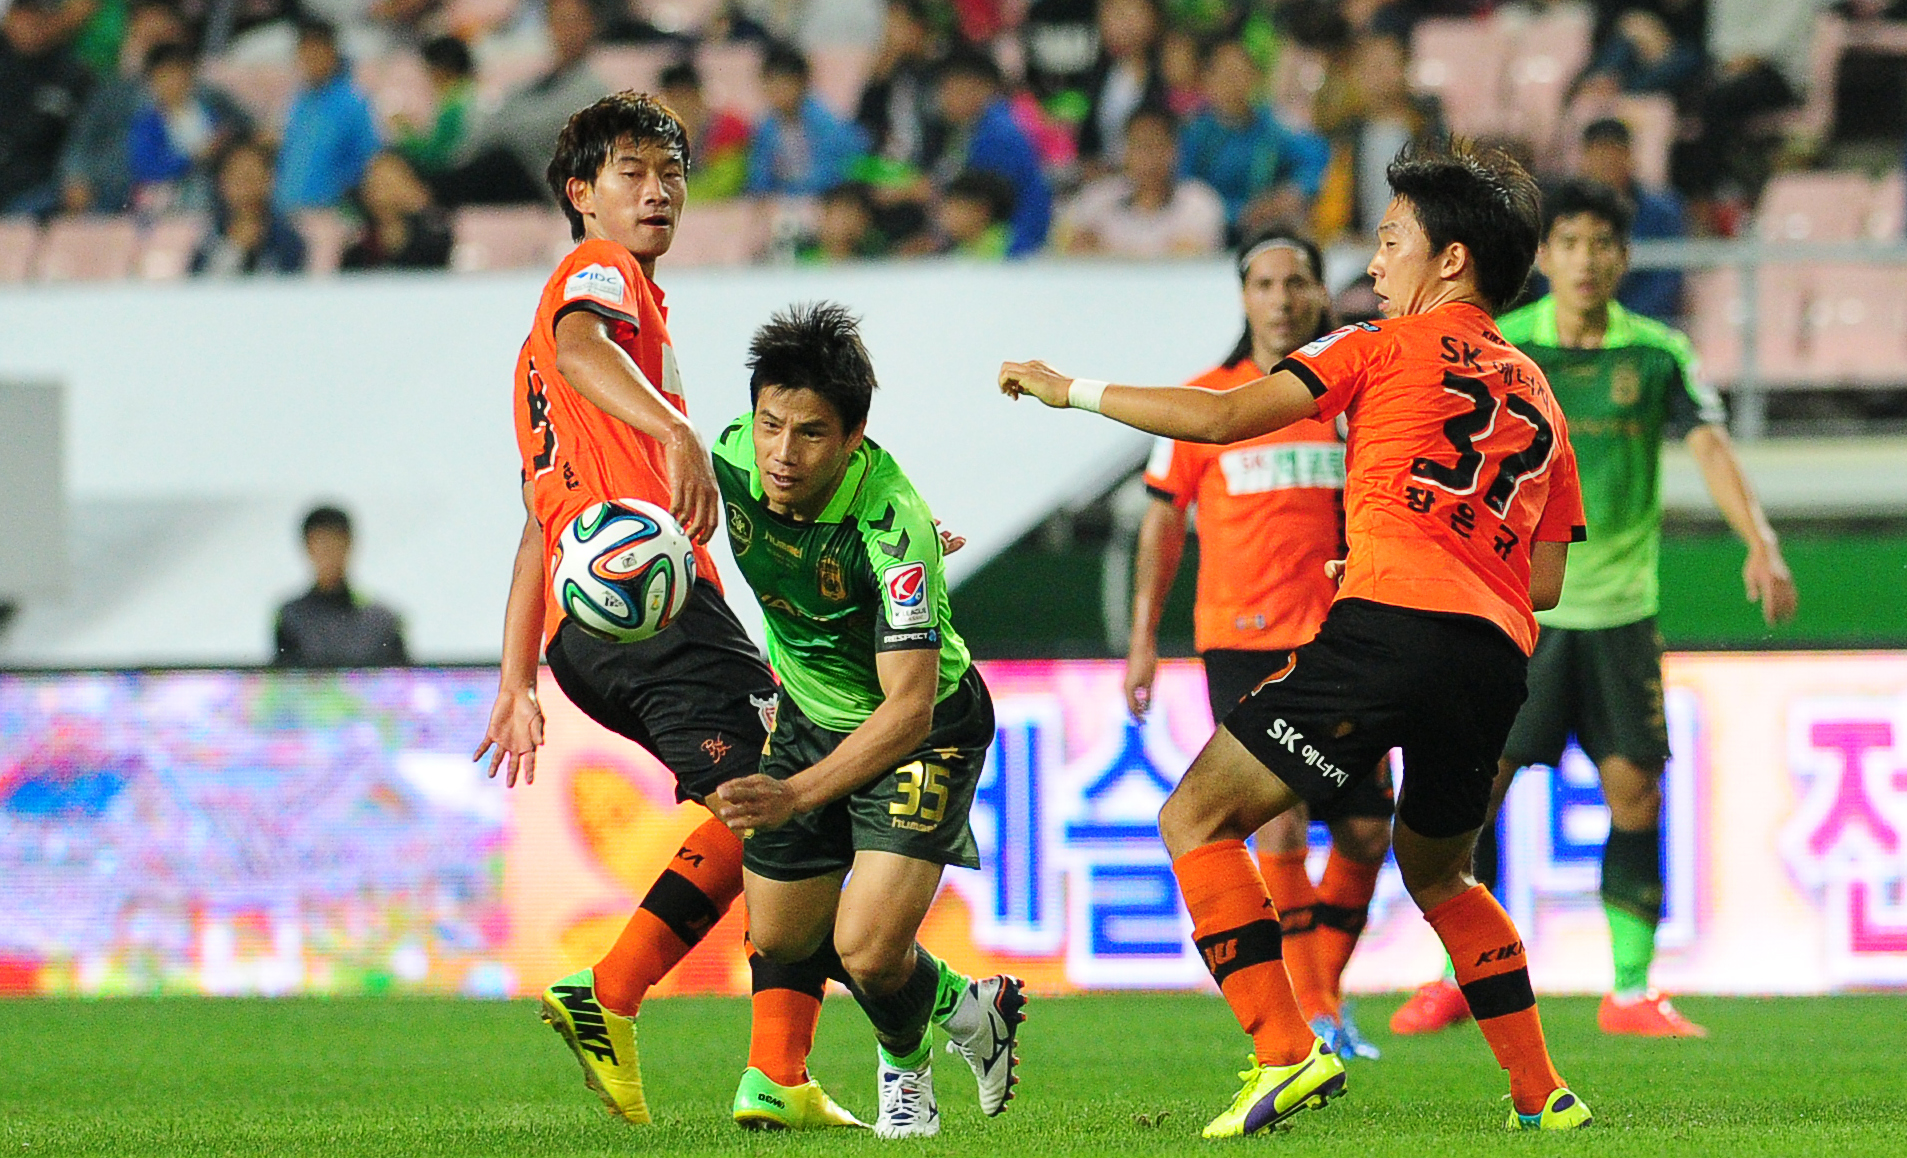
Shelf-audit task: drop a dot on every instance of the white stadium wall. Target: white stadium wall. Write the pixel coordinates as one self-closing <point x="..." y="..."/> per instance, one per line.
<point x="202" y="419"/>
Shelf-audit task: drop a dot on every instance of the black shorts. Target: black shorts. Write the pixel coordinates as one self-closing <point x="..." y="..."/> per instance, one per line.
<point x="697" y="694"/>
<point x="918" y="810"/>
<point x="1444" y="688"/>
<point x="1231" y="674"/>
<point x="1602" y="686"/>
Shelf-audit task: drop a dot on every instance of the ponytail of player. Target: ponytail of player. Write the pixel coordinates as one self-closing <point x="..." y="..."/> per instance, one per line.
<point x="586" y="142"/>
<point x="1276" y="237"/>
<point x="1479" y="198"/>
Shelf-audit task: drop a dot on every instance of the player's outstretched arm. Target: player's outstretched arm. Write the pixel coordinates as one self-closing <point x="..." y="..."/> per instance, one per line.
<point x="1185" y="412"/>
<point x="1765" y="575"/>
<point x="1547" y="563"/>
<point x="909" y="679"/>
<point x="609" y="378"/>
<point x="1155" y="564"/>
<point x="516" y="720"/>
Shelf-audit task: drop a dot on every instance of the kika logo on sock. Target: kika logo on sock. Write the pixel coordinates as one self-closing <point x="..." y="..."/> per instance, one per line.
<point x="1221" y="954"/>
<point x="1507" y="952"/>
<point x="693" y="859"/>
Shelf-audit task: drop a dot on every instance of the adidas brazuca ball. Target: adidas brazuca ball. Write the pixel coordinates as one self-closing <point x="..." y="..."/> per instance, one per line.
<point x="624" y="570"/>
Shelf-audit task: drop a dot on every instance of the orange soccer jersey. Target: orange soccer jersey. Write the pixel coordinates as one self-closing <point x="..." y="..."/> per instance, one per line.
<point x="1458" y="460"/>
<point x="574" y="453"/>
<point x="1270" y="516"/>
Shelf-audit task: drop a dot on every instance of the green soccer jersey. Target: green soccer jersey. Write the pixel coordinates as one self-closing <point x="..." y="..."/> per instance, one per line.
<point x="863" y="578"/>
<point x="1619" y="399"/>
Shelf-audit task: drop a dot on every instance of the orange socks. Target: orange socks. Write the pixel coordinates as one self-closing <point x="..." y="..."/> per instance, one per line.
<point x="1343" y="905"/>
<point x="1488" y="956"/>
<point x="1289" y="883"/>
<point x="1235" y="927"/>
<point x="682" y="906"/>
<point x="787" y="1007"/>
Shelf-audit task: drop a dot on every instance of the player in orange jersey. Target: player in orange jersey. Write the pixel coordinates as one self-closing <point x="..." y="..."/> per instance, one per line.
<point x="1461" y="500"/>
<point x="1270" y="516"/>
<point x="600" y="416"/>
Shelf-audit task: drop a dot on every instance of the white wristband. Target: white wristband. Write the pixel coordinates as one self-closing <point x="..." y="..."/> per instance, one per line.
<point x="1084" y="394"/>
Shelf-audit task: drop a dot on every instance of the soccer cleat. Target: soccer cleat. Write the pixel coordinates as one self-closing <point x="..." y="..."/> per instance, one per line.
<point x="763" y="1104"/>
<point x="1651" y="1016"/>
<point x="1562" y="1111"/>
<point x="1436" y="1006"/>
<point x="988" y="1020"/>
<point x="603" y="1041"/>
<point x="1351" y="1042"/>
<point x="1272" y="1094"/>
<point x="908" y="1109"/>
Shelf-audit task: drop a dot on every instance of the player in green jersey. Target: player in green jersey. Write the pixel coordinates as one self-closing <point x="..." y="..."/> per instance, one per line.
<point x="883" y="725"/>
<point x="1624" y="382"/>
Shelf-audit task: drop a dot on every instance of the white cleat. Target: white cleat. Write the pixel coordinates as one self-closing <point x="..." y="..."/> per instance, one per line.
<point x="908" y="1109"/>
<point x="984" y="1029"/>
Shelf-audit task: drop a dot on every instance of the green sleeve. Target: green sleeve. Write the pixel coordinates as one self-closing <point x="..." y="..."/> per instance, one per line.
<point x="903" y="552"/>
<point x="1518" y="327"/>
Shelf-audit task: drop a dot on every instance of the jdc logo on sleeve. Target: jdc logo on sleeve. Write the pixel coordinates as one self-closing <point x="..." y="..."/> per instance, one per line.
<point x="599" y="282"/>
<point x="905" y="587"/>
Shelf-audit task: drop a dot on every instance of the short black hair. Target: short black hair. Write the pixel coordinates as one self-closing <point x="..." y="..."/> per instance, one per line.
<point x="814" y="346"/>
<point x="1480" y="199"/>
<point x="167" y="52"/>
<point x="584" y="145"/>
<point x="448" y="54"/>
<point x="1607" y="131"/>
<point x="990" y="189"/>
<point x="681" y="74"/>
<point x="327" y="518"/>
<point x="968" y="61"/>
<point x="856" y="192"/>
<point x="782" y="59"/>
<point x="312" y="28"/>
<point x="1154" y="111"/>
<point x="1592" y="197"/>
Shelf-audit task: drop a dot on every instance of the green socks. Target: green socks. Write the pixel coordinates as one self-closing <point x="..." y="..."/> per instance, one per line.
<point x="1632" y="898"/>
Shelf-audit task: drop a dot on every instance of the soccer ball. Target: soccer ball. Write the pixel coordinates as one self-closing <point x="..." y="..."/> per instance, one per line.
<point x="623" y="570"/>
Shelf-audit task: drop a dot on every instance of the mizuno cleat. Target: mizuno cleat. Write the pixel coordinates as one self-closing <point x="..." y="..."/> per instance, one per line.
<point x="908" y="1108"/>
<point x="1272" y="1094"/>
<point x="1562" y="1111"/>
<point x="1651" y="1016"/>
<point x="984" y="1029"/>
<point x="604" y="1043"/>
<point x="763" y="1104"/>
<point x="1435" y="1006"/>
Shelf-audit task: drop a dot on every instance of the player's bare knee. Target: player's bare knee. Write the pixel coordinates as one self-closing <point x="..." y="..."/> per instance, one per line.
<point x="1190" y="819"/>
<point x="878" y="968"/>
<point x="786" y="945"/>
<point x="1364" y="839"/>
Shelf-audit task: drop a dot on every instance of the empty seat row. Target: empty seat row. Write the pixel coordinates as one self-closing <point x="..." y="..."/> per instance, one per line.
<point x="1832" y="206"/>
<point x="1823" y="324"/>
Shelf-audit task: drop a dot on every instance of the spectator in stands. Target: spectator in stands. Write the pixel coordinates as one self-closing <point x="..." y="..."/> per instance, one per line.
<point x="329" y="625"/>
<point x="983" y="135"/>
<point x="973" y="216"/>
<point x="178" y="133"/>
<point x="503" y="160"/>
<point x="1181" y="66"/>
<point x="1608" y="157"/>
<point x="1060" y="39"/>
<point x="1148" y="210"/>
<point x="42" y="89"/>
<point x="718" y="138"/>
<point x="1377" y="117"/>
<point x="897" y="101"/>
<point x="94" y="172"/>
<point x="1264" y="171"/>
<point x="248" y="234"/>
<point x="1126" y="76"/>
<point x="800" y="146"/>
<point x="403" y="228"/>
<point x="845" y="230"/>
<point x="453" y="90"/>
<point x="1760" y="51"/>
<point x="1641" y="55"/>
<point x="330" y="135"/>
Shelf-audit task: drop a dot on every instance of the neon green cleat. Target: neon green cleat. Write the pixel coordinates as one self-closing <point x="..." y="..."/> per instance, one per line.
<point x="761" y="1103"/>
<point x="1563" y="1111"/>
<point x="1272" y="1094"/>
<point x="603" y="1041"/>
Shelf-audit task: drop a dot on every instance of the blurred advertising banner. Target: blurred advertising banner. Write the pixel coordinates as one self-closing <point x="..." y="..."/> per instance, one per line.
<point x="278" y="832"/>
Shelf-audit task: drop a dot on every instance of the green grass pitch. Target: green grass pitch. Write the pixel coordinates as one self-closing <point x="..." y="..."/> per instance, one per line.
<point x="1127" y="1075"/>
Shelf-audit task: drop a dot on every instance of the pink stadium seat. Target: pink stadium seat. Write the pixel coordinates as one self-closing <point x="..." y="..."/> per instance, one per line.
<point x="1887" y="220"/>
<point x="264" y="88"/>
<point x="1815" y="207"/>
<point x="502" y="74"/>
<point x="722" y="233"/>
<point x="731" y="77"/>
<point x="840" y="72"/>
<point x="494" y="238"/>
<point x="1857" y="324"/>
<point x="398" y="86"/>
<point x="1651" y="120"/>
<point x="1716" y="316"/>
<point x="1295" y="80"/>
<point x="326" y="233"/>
<point x="627" y="66"/>
<point x="678" y="15"/>
<point x="1549" y="51"/>
<point x="166" y="252"/>
<point x="87" y="249"/>
<point x="1464" y="64"/>
<point x="19" y="238"/>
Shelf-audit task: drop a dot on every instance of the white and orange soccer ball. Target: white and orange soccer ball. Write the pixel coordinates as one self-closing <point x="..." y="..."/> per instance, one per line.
<point x="623" y="570"/>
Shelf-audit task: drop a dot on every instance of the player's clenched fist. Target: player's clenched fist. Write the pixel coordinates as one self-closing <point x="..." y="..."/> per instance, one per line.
<point x="694" y="499"/>
<point x="1035" y="378"/>
<point x="754" y="802"/>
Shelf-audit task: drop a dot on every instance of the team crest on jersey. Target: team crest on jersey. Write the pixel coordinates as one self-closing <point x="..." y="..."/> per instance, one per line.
<point x="905" y="588"/>
<point x="1320" y="345"/>
<point x="765" y="707"/>
<point x="599" y="282"/>
<point x="1625" y="384"/>
<point x="827" y="573"/>
<point x="741" y="530"/>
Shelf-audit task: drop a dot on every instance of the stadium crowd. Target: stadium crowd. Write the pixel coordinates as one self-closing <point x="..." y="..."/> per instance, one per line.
<point x="283" y="135"/>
